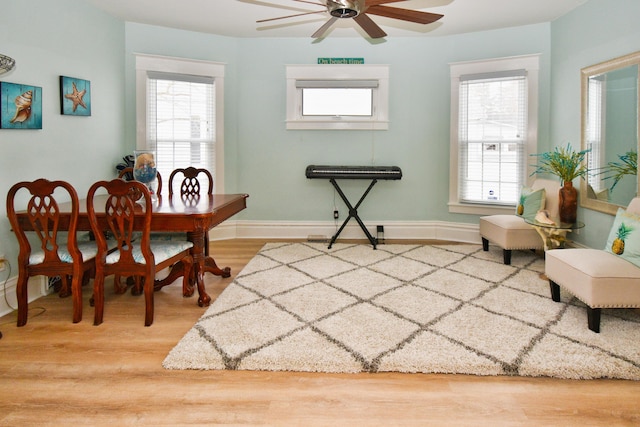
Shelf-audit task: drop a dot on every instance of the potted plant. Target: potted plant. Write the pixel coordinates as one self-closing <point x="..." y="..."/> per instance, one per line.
<point x="567" y="164"/>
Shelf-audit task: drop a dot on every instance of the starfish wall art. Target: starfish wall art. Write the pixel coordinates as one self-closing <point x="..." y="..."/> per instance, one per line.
<point x="75" y="96"/>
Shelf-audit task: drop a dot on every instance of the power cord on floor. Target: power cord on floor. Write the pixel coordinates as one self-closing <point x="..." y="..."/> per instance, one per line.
<point x="4" y="285"/>
<point x="41" y="311"/>
<point x="4" y="291"/>
<point x="335" y="210"/>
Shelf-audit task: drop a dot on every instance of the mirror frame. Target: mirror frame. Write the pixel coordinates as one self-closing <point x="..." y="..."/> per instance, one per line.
<point x="603" y="67"/>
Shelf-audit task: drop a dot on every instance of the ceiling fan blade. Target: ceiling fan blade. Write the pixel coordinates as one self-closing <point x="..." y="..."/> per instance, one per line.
<point x="370" y="27"/>
<point x="377" y="2"/>
<point x="324" y="28"/>
<point x="290" y="16"/>
<point x="404" y="14"/>
<point x="318" y="3"/>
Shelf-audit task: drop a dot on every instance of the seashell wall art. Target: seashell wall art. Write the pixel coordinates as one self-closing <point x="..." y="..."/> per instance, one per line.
<point x="20" y="106"/>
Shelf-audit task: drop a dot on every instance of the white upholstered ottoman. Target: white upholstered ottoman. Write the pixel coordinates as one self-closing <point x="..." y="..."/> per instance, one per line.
<point x="601" y="278"/>
<point x="598" y="278"/>
<point x="510" y="232"/>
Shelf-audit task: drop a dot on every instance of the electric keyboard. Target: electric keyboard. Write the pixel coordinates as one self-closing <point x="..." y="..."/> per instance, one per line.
<point x="374" y="173"/>
<point x="353" y="172"/>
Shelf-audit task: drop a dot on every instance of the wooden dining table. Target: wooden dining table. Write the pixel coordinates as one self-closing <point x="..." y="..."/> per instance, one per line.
<point x="193" y="216"/>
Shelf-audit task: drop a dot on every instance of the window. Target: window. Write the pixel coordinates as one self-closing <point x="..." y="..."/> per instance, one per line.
<point x="594" y="131"/>
<point x="337" y="102"/>
<point x="179" y="114"/>
<point x="337" y="97"/>
<point x="493" y="131"/>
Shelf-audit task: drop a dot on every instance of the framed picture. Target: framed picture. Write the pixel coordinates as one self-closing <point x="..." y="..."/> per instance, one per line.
<point x="75" y="96"/>
<point x="20" y="106"/>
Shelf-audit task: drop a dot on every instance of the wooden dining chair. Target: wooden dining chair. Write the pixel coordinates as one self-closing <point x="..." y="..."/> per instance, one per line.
<point x="141" y="257"/>
<point x="57" y="255"/>
<point x="127" y="175"/>
<point x="191" y="185"/>
<point x="191" y="188"/>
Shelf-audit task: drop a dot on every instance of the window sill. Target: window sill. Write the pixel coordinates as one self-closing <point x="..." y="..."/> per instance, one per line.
<point x="479" y="209"/>
<point x="336" y="125"/>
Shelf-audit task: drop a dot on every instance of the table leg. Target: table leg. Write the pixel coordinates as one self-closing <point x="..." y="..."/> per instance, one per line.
<point x="177" y="270"/>
<point x="198" y="253"/>
<point x="201" y="264"/>
<point x="210" y="266"/>
<point x="545" y="238"/>
<point x="551" y="237"/>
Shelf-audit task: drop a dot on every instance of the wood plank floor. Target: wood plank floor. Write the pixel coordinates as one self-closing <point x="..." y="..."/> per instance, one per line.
<point x="54" y="372"/>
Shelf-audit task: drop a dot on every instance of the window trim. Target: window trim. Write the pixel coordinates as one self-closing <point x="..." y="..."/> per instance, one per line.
<point x="530" y="63"/>
<point x="342" y="75"/>
<point x="166" y="64"/>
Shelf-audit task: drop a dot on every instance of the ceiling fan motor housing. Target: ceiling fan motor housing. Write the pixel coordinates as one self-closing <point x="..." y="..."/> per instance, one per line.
<point x="344" y="8"/>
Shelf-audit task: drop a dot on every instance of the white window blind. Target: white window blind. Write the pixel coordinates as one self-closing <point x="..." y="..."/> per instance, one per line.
<point x="347" y="84"/>
<point x="492" y="136"/>
<point x="594" y="134"/>
<point x="337" y="97"/>
<point x="181" y="121"/>
<point x="337" y="102"/>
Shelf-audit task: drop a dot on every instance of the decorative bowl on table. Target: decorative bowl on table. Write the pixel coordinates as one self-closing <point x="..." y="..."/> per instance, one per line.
<point x="145" y="170"/>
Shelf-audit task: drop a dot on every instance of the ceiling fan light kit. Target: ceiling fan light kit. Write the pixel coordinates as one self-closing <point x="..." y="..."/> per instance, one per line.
<point x="358" y="10"/>
<point x="343" y="8"/>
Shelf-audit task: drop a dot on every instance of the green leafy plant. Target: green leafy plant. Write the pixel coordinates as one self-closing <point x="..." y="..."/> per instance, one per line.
<point x="628" y="165"/>
<point x="563" y="162"/>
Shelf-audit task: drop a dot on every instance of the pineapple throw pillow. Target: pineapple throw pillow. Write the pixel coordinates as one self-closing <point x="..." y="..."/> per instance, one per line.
<point x="624" y="237"/>
<point x="530" y="202"/>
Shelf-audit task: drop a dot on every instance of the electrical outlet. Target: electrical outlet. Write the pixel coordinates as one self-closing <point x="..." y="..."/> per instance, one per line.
<point x="335" y="214"/>
<point x="2" y="262"/>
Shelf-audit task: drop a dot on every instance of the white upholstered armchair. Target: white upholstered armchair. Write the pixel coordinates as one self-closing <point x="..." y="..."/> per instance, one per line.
<point x="511" y="232"/>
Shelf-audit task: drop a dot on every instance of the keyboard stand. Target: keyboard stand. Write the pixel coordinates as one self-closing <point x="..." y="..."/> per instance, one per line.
<point x="353" y="213"/>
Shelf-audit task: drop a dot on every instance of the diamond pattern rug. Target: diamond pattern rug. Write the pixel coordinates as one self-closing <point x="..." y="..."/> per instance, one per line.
<point x="404" y="308"/>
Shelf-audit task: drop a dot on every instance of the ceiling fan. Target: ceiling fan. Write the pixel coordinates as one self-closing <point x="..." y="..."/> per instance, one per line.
<point x="358" y="10"/>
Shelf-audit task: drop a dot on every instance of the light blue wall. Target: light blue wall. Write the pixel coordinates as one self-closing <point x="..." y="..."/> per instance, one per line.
<point x="597" y="31"/>
<point x="49" y="39"/>
<point x="268" y="162"/>
<point x="67" y="37"/>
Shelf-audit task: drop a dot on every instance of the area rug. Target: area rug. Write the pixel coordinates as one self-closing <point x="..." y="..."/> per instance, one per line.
<point x="404" y="308"/>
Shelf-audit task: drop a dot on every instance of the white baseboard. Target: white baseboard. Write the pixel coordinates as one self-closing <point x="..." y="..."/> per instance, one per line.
<point x="418" y="230"/>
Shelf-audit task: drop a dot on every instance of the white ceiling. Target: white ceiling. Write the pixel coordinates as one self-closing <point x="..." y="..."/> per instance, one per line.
<point x="237" y="18"/>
